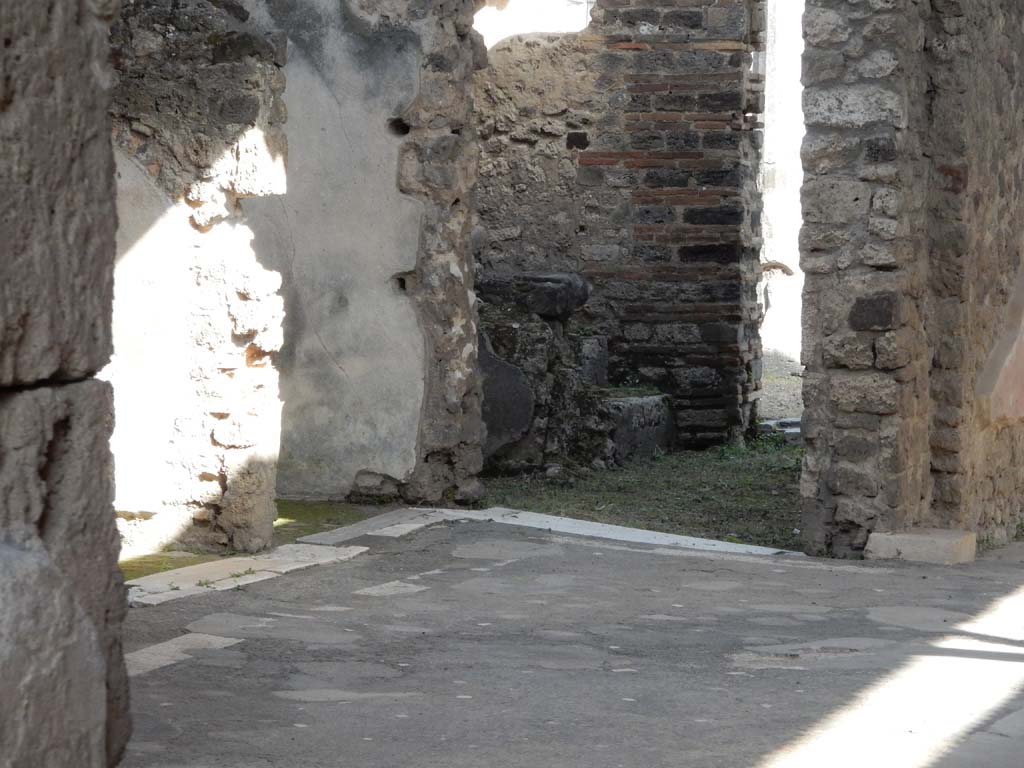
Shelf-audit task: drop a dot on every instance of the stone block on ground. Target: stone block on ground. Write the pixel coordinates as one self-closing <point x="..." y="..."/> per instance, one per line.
<point x="643" y="426"/>
<point x="52" y="669"/>
<point x="924" y="545"/>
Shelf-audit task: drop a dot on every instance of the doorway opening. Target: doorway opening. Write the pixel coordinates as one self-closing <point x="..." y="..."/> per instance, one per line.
<point x="781" y="288"/>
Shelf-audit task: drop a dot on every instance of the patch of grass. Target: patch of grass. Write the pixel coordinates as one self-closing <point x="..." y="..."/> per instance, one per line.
<point x="147" y="565"/>
<point x="747" y="495"/>
<point x="296" y="519"/>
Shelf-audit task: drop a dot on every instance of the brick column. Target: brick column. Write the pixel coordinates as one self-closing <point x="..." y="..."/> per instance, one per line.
<point x="669" y="185"/>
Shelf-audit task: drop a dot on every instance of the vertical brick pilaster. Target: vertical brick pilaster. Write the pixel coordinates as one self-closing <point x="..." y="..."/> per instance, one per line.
<point x="674" y="257"/>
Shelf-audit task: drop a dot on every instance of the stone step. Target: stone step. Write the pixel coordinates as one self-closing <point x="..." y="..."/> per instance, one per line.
<point x="790" y="428"/>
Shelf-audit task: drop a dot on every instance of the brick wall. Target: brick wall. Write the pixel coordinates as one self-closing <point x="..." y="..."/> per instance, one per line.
<point x="664" y="220"/>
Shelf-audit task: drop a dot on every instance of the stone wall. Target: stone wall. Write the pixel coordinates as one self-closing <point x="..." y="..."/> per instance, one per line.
<point x="913" y="304"/>
<point x="864" y="253"/>
<point x="538" y="104"/>
<point x="976" y="292"/>
<point x="628" y="154"/>
<point x="198" y="126"/>
<point x="61" y="665"/>
<point x="379" y="381"/>
<point x="541" y="404"/>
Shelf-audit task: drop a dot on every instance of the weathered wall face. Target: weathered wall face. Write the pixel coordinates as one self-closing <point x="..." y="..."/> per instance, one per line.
<point x="537" y="105"/>
<point x="379" y="366"/>
<point x="198" y="125"/>
<point x="61" y="665"/>
<point x="913" y="305"/>
<point x="976" y="285"/>
<point x="864" y="253"/>
<point x="633" y="161"/>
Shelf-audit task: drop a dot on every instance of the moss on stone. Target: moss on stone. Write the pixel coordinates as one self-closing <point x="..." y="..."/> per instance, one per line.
<point x="296" y="519"/>
<point x="147" y="565"/>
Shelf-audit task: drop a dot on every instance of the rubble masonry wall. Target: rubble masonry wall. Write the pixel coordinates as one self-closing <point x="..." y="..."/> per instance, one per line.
<point x="913" y="303"/>
<point x="629" y="154"/>
<point x="198" y="126"/>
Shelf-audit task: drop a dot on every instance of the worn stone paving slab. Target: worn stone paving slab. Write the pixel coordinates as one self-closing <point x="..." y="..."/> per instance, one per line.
<point x="532" y="648"/>
<point x="374" y="524"/>
<point x="233" y="572"/>
<point x="173" y="651"/>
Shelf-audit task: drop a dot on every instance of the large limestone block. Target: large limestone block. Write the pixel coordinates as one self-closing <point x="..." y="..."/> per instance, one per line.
<point x="924" y="545"/>
<point x="56" y="490"/>
<point x="52" y="669"/>
<point x="56" y="193"/>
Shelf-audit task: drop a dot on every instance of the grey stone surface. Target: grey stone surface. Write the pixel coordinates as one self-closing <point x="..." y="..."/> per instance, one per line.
<point x="593" y="357"/>
<point x="863" y="253"/>
<point x="508" y="401"/>
<point x="51" y="666"/>
<point x="782" y="397"/>
<point x="56" y="477"/>
<point x="923" y="545"/>
<point x="522" y="647"/>
<point x="61" y="598"/>
<point x="57" y="223"/>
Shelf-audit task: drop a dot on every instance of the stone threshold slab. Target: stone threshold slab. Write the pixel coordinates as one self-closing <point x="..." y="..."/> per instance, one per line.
<point x="591" y="530"/>
<point x="404" y="521"/>
<point x="232" y="572"/>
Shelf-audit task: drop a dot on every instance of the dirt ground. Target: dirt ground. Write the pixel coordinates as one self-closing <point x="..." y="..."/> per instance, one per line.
<point x="782" y="396"/>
